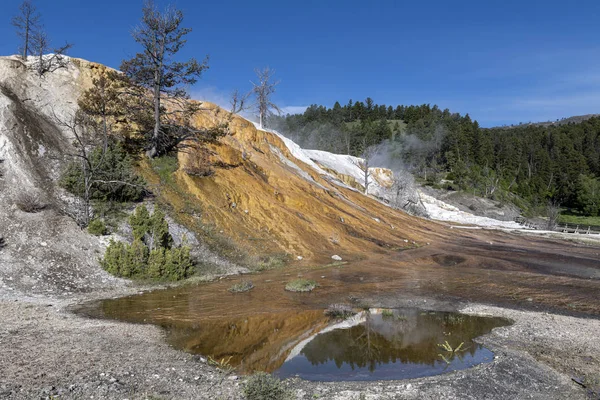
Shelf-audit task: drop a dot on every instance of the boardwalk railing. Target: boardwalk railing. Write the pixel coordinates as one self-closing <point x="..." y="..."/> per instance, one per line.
<point x="564" y="228"/>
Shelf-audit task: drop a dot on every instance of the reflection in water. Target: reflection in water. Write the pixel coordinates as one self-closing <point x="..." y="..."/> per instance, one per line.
<point x="397" y="345"/>
<point x="260" y="329"/>
<point x="255" y="343"/>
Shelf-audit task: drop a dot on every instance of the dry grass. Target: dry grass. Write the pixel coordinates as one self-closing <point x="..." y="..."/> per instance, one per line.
<point x="339" y="311"/>
<point x="30" y="202"/>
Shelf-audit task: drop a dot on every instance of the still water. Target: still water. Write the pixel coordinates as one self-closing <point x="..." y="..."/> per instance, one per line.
<point x="288" y="334"/>
<point x="393" y="344"/>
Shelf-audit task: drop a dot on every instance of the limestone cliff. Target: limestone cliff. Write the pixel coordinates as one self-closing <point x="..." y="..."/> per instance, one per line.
<point x="46" y="252"/>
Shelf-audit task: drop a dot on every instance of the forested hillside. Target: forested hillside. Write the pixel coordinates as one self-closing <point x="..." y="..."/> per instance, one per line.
<point x="530" y="165"/>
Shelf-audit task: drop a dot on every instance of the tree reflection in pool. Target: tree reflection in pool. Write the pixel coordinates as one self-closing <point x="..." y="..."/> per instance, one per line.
<point x="394" y="344"/>
<point x="287" y="340"/>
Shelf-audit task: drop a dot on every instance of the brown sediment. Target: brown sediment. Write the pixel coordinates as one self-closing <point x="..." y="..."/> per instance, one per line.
<point x="288" y="207"/>
<point x="259" y="328"/>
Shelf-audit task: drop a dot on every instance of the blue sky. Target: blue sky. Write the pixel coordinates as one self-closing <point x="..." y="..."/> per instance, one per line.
<point x="502" y="62"/>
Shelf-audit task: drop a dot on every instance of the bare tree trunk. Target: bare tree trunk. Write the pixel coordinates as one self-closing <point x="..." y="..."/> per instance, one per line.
<point x="263" y="91"/>
<point x="26" y="44"/>
<point x="105" y="129"/>
<point x="550" y="181"/>
<point x="85" y="192"/>
<point x="552" y="212"/>
<point x="155" y="135"/>
<point x="86" y="199"/>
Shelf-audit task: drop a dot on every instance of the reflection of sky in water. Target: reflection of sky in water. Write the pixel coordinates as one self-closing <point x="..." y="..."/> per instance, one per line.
<point x="404" y="345"/>
<point x="384" y="371"/>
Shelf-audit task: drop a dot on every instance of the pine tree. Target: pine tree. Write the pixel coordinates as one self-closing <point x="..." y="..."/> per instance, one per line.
<point x="27" y="23"/>
<point x="161" y="36"/>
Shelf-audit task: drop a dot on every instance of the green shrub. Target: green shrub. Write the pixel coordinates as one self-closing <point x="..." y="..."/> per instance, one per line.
<point x="242" y="286"/>
<point x="125" y="260"/>
<point x="178" y="264"/>
<point x="140" y="222"/>
<point x="114" y="176"/>
<point x="115" y="256"/>
<point x="137" y="259"/>
<point x="151" y="254"/>
<point x="263" y="386"/>
<point x="97" y="227"/>
<point x="156" y="262"/>
<point x="153" y="229"/>
<point x="301" y="285"/>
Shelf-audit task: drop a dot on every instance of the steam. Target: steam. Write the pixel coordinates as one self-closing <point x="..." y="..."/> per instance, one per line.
<point x="316" y="136"/>
<point x="411" y="152"/>
<point x="403" y="193"/>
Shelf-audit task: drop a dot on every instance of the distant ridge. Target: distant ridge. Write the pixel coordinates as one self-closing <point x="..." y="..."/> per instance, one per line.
<point x="564" y="121"/>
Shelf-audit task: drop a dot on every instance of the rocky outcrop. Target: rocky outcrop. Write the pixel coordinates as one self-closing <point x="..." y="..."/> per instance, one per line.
<point x="46" y="253"/>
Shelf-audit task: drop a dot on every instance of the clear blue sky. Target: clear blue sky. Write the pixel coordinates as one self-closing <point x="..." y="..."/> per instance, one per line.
<point x="502" y="62"/>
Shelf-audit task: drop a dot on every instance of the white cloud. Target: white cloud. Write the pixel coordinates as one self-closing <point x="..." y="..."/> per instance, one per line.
<point x="213" y="95"/>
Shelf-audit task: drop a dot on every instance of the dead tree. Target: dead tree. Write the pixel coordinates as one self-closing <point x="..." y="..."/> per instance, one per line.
<point x="263" y="90"/>
<point x="367" y="174"/>
<point x="80" y="126"/>
<point x="161" y="36"/>
<point x="27" y="23"/>
<point x="552" y="213"/>
<point x="367" y="155"/>
<point x="47" y="59"/>
<point x="347" y="136"/>
<point x="239" y="101"/>
<point x="404" y="195"/>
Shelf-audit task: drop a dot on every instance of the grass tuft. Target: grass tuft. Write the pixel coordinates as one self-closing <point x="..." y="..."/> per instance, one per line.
<point x="263" y="386"/>
<point x="270" y="262"/>
<point x="241" y="287"/>
<point x="301" y="285"/>
<point x="30" y="202"/>
<point x="339" y="311"/>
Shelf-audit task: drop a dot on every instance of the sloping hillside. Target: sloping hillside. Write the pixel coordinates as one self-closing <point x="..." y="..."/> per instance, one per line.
<point x="265" y="193"/>
<point x="268" y="195"/>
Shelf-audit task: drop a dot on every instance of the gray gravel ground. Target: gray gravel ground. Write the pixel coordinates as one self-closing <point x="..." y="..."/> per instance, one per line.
<point x="47" y="351"/>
